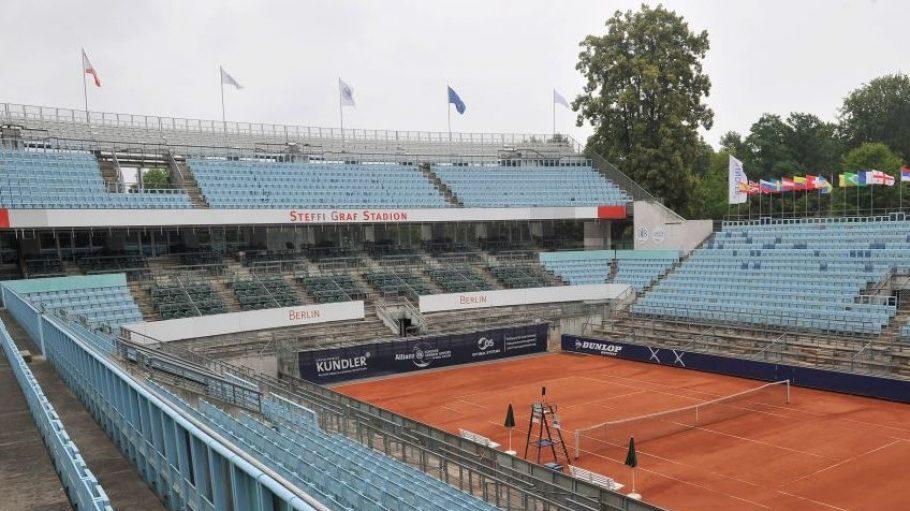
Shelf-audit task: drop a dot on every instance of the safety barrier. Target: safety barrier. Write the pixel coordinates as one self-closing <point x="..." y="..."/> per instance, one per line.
<point x="82" y="487"/>
<point x="185" y="462"/>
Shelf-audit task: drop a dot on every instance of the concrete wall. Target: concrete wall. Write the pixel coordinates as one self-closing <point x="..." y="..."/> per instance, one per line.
<point x="265" y="364"/>
<point x="597" y="234"/>
<point x="656" y="227"/>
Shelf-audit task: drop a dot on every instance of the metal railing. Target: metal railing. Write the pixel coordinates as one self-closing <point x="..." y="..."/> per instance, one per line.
<point x="80" y="484"/>
<point x="87" y="121"/>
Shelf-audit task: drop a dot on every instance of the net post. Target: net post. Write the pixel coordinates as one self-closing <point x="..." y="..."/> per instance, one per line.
<point x="788" y="391"/>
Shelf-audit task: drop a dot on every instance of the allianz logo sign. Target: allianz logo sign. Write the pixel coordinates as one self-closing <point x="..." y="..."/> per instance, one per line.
<point x="602" y="347"/>
<point x="341" y="364"/>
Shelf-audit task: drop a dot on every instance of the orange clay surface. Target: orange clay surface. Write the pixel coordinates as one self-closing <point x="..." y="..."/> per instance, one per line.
<point x="824" y="451"/>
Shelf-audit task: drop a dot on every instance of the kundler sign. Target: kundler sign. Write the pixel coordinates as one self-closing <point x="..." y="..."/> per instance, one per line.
<point x="401" y="356"/>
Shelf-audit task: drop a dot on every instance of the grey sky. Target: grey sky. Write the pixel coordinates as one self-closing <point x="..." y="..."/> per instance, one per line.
<point x="503" y="57"/>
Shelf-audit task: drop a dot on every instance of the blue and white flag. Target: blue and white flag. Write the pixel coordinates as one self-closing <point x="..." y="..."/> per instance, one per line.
<point x="346" y="93"/>
<point x="455" y="100"/>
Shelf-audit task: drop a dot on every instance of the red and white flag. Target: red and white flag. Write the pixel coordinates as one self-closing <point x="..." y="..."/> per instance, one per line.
<point x="881" y="178"/>
<point x="88" y="69"/>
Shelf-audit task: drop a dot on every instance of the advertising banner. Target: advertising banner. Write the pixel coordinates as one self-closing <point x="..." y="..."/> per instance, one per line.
<point x="244" y="321"/>
<point x="36" y="218"/>
<point x="522" y="296"/>
<point x="391" y="357"/>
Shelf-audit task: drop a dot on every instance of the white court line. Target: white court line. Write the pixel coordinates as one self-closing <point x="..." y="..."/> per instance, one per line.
<point x="690" y="483"/>
<point x="811" y="500"/>
<point x="539" y="383"/>
<point x="656" y="391"/>
<point x="795" y="410"/>
<point x="848" y="460"/>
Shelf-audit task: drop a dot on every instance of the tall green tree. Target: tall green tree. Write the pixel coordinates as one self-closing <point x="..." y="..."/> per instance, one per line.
<point x="644" y="96"/>
<point x="879" y="112"/>
<point x="775" y="147"/>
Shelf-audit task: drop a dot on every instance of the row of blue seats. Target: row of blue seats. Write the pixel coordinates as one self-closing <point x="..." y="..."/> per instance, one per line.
<point x="595" y="268"/>
<point x="113" y="305"/>
<point x="65" y="180"/>
<point x="804" y="275"/>
<point x="340" y="473"/>
<point x="504" y="186"/>
<point x="233" y="184"/>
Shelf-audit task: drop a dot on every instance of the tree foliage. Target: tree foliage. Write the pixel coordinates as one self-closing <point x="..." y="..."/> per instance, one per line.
<point x="879" y="112"/>
<point x="774" y="147"/>
<point x="644" y="96"/>
<point x="156" y="178"/>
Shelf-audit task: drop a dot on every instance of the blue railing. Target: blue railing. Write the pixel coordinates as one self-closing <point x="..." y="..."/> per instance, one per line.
<point x="186" y="463"/>
<point x="81" y="485"/>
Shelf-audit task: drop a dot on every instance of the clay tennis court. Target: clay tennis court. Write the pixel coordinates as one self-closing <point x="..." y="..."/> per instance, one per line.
<point x="823" y="451"/>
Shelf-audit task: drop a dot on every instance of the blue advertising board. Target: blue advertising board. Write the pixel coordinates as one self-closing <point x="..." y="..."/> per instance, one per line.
<point x="822" y="379"/>
<point x="400" y="356"/>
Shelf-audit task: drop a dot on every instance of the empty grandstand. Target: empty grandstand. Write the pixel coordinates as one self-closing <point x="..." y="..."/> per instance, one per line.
<point x="808" y="275"/>
<point x="513" y="186"/>
<point x="246" y="184"/>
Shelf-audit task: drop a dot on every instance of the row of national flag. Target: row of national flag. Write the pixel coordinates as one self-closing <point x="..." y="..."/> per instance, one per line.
<point x="741" y="187"/>
<point x="870" y="177"/>
<point x="786" y="184"/>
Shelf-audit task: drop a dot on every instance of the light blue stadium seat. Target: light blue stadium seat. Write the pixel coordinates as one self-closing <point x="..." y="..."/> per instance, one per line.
<point x="257" y="184"/>
<point x="638" y="268"/>
<point x="527" y="186"/>
<point x="70" y="180"/>
<point x="339" y="472"/>
<point x="113" y="305"/>
<point x="799" y="275"/>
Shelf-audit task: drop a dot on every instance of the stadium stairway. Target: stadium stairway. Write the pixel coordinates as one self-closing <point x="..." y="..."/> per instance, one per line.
<point x="892" y="332"/>
<point x="140" y="293"/>
<point x="123" y="485"/>
<point x="443" y="188"/>
<point x="110" y="171"/>
<point x="186" y="179"/>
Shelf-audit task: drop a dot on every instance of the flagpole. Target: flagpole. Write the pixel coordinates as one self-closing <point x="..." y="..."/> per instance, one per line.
<point x="221" y="79"/>
<point x="84" y="86"/>
<point x="341" y="113"/>
<point x="449" y="105"/>
<point x="554" y="114"/>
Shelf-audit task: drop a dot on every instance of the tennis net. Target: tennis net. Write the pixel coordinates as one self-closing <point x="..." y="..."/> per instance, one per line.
<point x="605" y="435"/>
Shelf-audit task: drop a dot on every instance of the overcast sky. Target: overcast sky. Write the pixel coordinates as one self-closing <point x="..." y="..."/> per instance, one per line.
<point x="503" y="57"/>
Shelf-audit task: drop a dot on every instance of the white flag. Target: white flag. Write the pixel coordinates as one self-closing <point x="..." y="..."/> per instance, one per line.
<point x="559" y="100"/>
<point x="736" y="181"/>
<point x="346" y="93"/>
<point x="228" y="79"/>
